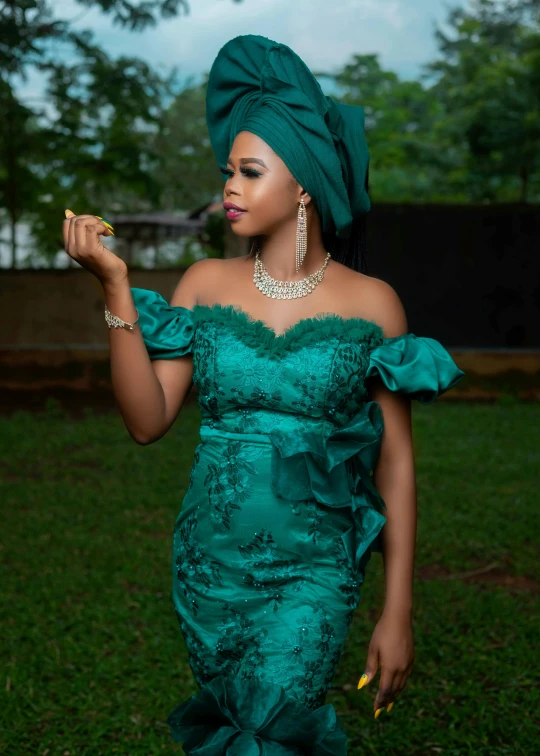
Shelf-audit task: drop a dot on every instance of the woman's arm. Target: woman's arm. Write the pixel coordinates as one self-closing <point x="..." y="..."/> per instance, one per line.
<point x="395" y="479"/>
<point x="392" y="645"/>
<point x="136" y="386"/>
<point x="149" y="393"/>
<point x="394" y="474"/>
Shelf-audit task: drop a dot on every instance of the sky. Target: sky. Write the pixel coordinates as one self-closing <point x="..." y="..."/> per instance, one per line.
<point x="324" y="34"/>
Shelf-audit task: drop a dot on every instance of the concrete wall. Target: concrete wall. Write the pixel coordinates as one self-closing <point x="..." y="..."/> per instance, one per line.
<point x="53" y="331"/>
<point x="48" y="308"/>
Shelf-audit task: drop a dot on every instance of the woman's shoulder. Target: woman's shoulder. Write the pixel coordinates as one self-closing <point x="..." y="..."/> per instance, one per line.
<point x="197" y="278"/>
<point x="371" y="298"/>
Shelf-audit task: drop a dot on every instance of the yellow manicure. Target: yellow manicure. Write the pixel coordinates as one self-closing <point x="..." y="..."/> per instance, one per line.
<point x="378" y="712"/>
<point x="389" y="706"/>
<point x="106" y="223"/>
<point x="362" y="681"/>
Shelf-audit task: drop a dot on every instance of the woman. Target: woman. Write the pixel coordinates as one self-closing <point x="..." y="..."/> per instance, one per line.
<point x="294" y="472"/>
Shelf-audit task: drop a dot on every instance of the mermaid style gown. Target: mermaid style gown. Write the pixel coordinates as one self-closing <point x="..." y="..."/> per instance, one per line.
<point x="281" y="514"/>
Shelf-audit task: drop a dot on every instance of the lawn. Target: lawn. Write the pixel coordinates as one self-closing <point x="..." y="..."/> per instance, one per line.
<point x="92" y="652"/>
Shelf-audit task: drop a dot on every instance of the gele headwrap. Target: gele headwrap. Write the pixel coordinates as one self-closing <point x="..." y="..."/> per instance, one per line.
<point x="263" y="87"/>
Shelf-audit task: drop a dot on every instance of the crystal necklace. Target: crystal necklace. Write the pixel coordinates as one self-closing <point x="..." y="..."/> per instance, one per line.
<point x="275" y="289"/>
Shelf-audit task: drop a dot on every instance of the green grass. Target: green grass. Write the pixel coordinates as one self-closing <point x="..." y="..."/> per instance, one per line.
<point x="92" y="653"/>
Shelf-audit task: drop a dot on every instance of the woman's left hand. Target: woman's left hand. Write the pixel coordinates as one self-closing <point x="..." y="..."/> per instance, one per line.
<point x="391" y="647"/>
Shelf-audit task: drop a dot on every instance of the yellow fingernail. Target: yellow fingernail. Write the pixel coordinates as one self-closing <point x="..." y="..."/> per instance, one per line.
<point x="389" y="706"/>
<point x="105" y="223"/>
<point x="378" y="712"/>
<point x="362" y="681"/>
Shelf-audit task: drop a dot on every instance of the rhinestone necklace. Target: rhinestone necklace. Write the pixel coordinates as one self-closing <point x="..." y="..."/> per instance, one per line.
<point x="275" y="289"/>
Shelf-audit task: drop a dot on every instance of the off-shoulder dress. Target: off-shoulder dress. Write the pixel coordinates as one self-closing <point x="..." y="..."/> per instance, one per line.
<point x="281" y="514"/>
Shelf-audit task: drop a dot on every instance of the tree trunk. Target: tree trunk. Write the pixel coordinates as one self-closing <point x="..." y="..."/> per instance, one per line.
<point x="13" y="226"/>
<point x="524" y="183"/>
<point x="11" y="165"/>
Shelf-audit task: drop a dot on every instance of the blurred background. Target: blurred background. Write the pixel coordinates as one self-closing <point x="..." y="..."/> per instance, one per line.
<point x="102" y="110"/>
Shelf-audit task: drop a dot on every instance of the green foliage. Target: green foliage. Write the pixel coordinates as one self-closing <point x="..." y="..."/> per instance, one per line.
<point x="470" y="129"/>
<point x="489" y="87"/>
<point x="402" y="119"/>
<point x="109" y="138"/>
<point x="186" y="169"/>
<point x="99" y="149"/>
<point x="137" y="16"/>
<point x="20" y="137"/>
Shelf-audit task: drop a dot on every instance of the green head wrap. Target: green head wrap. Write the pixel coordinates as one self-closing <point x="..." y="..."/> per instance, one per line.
<point x="263" y="87"/>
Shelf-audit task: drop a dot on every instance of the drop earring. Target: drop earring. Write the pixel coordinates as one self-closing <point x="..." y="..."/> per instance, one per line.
<point x="301" y="235"/>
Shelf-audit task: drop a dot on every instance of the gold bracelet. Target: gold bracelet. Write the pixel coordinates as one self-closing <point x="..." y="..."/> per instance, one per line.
<point x="113" y="321"/>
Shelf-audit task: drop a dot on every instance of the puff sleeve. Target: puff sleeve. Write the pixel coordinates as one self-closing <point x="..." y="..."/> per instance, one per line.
<point x="167" y="330"/>
<point x="415" y="365"/>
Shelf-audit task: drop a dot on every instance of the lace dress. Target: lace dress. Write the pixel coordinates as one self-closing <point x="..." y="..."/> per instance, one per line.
<point x="281" y="514"/>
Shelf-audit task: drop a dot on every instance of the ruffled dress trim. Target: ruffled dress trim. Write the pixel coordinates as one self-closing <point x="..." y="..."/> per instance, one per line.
<point x="335" y="468"/>
<point x="415" y="365"/>
<point x="167" y="330"/>
<point x="230" y="716"/>
<point x="258" y="335"/>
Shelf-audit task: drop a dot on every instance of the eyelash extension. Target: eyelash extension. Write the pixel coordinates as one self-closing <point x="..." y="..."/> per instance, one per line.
<point x="249" y="172"/>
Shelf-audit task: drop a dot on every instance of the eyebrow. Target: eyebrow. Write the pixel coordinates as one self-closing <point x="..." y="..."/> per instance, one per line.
<point x="250" y="160"/>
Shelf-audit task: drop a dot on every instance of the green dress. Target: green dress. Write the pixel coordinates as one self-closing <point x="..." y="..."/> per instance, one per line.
<point x="281" y="514"/>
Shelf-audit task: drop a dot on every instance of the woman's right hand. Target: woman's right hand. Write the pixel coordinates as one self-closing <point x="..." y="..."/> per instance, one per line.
<point x="82" y="243"/>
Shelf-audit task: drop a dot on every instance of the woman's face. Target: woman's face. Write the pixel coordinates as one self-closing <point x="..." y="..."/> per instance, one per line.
<point x="260" y="183"/>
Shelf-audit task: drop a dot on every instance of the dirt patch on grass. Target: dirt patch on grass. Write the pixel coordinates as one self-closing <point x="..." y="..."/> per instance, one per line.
<point x="493" y="573"/>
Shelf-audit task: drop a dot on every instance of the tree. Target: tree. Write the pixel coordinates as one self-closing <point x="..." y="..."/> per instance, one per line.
<point x="98" y="147"/>
<point x="489" y="85"/>
<point x="402" y="117"/>
<point x="19" y="140"/>
<point x="185" y="166"/>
